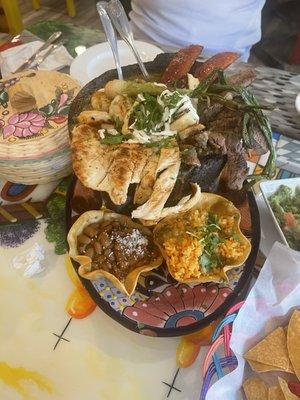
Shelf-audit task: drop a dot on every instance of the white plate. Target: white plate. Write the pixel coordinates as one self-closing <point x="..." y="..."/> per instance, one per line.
<point x="267" y="189"/>
<point x="98" y="59"/>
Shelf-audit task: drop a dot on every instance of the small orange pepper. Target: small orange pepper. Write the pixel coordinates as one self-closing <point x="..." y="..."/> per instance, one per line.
<point x="80" y="304"/>
<point x="202" y="337"/>
<point x="186" y="353"/>
<point x="72" y="273"/>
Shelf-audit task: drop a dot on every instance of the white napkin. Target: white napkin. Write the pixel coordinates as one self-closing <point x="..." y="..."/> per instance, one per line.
<point x="270" y="303"/>
<point x="30" y="261"/>
<point x="13" y="58"/>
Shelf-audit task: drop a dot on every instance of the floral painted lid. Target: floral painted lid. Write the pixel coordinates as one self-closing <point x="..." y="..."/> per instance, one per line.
<point x="34" y="106"/>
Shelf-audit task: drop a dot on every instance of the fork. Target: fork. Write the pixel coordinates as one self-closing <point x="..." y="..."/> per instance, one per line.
<point x="50" y="50"/>
<point x="33" y="58"/>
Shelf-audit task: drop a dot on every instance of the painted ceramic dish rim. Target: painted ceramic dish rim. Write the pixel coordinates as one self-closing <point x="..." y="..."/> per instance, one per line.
<point x="268" y="188"/>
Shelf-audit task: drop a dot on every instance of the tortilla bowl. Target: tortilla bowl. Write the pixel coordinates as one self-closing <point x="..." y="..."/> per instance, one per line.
<point x="208" y="203"/>
<point x="85" y="262"/>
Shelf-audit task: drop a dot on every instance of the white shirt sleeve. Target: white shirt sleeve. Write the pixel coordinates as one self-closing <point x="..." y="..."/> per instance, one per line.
<point x="218" y="25"/>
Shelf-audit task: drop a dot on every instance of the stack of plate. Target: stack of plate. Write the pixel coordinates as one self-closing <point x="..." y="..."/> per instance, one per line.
<point x="34" y="140"/>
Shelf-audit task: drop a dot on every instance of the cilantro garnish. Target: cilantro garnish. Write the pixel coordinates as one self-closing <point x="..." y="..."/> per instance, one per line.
<point x="172" y="100"/>
<point x="114" y="139"/>
<point x="147" y="114"/>
<point x="210" y="236"/>
<point x="236" y="237"/>
<point x="210" y="241"/>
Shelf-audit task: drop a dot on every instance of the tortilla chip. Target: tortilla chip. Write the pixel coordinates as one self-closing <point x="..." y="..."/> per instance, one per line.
<point x="260" y="367"/>
<point x="293" y="341"/>
<point x="255" y="389"/>
<point x="275" y="393"/>
<point x="272" y="350"/>
<point x="287" y="394"/>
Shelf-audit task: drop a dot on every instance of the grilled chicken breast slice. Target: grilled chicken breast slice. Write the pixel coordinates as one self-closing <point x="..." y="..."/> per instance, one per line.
<point x="121" y="171"/>
<point x="141" y="163"/>
<point x="148" y="175"/>
<point x="163" y="186"/>
<point x="91" y="160"/>
<point x="93" y="117"/>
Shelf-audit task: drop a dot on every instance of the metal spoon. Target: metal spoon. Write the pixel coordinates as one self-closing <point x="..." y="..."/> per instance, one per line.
<point x="110" y="34"/>
<point x="120" y="21"/>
